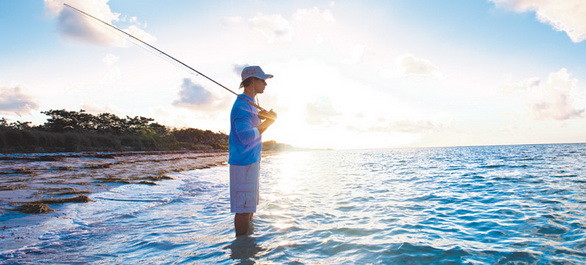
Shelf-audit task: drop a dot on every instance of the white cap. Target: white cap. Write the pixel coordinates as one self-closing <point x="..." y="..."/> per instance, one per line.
<point x="254" y="71"/>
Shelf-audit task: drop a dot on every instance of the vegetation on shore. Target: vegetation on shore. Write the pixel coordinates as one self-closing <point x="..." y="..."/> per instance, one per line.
<point x="74" y="131"/>
<point x="275" y="146"/>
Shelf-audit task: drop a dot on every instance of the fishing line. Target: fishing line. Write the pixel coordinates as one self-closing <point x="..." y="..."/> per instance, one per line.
<point x="164" y="54"/>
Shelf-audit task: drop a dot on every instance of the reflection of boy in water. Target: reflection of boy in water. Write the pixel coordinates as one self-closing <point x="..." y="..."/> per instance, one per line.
<point x="244" y="249"/>
<point x="245" y="146"/>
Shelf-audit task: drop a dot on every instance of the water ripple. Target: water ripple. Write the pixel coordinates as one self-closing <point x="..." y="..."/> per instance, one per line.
<point x="466" y="205"/>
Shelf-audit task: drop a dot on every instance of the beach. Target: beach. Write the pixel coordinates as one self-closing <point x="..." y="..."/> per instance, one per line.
<point x="31" y="183"/>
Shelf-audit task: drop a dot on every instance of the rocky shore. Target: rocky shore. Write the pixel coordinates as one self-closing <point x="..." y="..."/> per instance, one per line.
<point x="31" y="183"/>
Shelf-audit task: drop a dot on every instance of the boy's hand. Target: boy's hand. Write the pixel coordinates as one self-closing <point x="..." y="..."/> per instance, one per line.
<point x="267" y="115"/>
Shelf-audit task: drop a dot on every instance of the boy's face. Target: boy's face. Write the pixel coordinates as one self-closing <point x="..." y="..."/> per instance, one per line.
<point x="259" y="85"/>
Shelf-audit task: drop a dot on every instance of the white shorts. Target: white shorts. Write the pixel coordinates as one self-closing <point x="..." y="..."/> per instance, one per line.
<point x="244" y="193"/>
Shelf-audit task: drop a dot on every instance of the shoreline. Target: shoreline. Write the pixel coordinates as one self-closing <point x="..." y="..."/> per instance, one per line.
<point x="31" y="183"/>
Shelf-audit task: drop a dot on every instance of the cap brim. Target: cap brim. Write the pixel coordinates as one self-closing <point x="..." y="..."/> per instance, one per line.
<point x="265" y="76"/>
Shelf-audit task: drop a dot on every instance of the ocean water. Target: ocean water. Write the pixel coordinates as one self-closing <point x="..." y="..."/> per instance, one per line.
<point x="462" y="205"/>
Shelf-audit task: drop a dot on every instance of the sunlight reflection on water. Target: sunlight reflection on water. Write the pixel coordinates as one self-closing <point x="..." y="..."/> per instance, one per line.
<point x="466" y="205"/>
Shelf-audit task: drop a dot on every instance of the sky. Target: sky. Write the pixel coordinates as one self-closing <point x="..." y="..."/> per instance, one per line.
<point x="347" y="74"/>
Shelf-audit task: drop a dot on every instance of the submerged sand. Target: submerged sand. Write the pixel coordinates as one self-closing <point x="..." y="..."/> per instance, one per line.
<point x="31" y="183"/>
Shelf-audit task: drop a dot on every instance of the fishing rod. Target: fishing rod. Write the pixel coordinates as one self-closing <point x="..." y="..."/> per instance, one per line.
<point x="166" y="55"/>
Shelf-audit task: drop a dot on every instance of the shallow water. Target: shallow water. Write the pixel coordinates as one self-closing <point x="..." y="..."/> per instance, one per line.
<point x="462" y="205"/>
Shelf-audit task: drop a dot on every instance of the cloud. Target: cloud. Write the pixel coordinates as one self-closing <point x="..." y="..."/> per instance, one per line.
<point x="74" y="25"/>
<point x="140" y="34"/>
<point x="13" y="100"/>
<point x="403" y="126"/>
<point x="555" y="99"/>
<point x="356" y="54"/>
<point x="320" y="111"/>
<point x="113" y="73"/>
<point x="110" y="59"/>
<point x="410" y="126"/>
<point x="314" y="15"/>
<point x="310" y="23"/>
<point x="523" y="85"/>
<point x="237" y="69"/>
<point x="567" y="15"/>
<point x="193" y="96"/>
<point x="231" y="21"/>
<point x="411" y="65"/>
<point x="273" y="27"/>
<point x="313" y="26"/>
